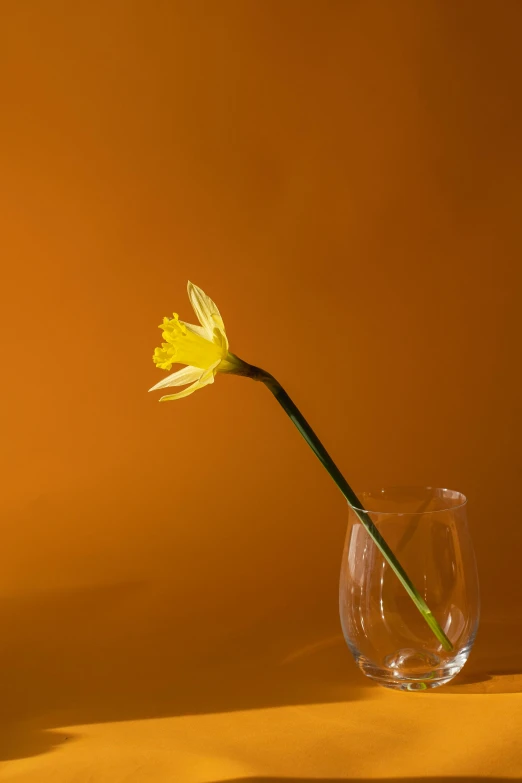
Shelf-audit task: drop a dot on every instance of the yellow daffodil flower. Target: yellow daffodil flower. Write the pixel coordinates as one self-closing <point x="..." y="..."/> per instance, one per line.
<point x="203" y="349"/>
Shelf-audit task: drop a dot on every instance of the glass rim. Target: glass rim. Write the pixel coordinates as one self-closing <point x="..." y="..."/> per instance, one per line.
<point x="451" y="494"/>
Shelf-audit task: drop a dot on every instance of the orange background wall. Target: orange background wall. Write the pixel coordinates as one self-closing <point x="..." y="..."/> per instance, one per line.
<point x="344" y="179"/>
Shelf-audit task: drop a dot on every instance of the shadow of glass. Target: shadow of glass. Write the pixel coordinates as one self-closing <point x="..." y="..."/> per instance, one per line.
<point x="495" y="664"/>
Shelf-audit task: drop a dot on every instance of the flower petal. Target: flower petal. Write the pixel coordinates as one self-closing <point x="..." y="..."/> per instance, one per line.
<point x="206" y="378"/>
<point x="209" y="375"/>
<point x="182" y="393"/>
<point x="179" y="378"/>
<point x="205" y="309"/>
<point x="200" y="330"/>
<point x="219" y="338"/>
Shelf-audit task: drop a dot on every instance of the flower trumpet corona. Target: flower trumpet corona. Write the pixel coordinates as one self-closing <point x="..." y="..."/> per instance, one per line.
<point x="204" y="351"/>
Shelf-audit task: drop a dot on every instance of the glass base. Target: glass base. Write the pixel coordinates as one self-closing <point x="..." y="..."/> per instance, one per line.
<point x="413" y="670"/>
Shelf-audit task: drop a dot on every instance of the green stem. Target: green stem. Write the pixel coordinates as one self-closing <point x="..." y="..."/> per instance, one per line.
<point x="319" y="450"/>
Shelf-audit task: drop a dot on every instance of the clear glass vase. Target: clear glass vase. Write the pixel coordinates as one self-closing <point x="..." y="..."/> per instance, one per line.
<point x="389" y="638"/>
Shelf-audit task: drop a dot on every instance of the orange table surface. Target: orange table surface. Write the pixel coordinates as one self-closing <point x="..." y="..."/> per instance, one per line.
<point x="115" y="694"/>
